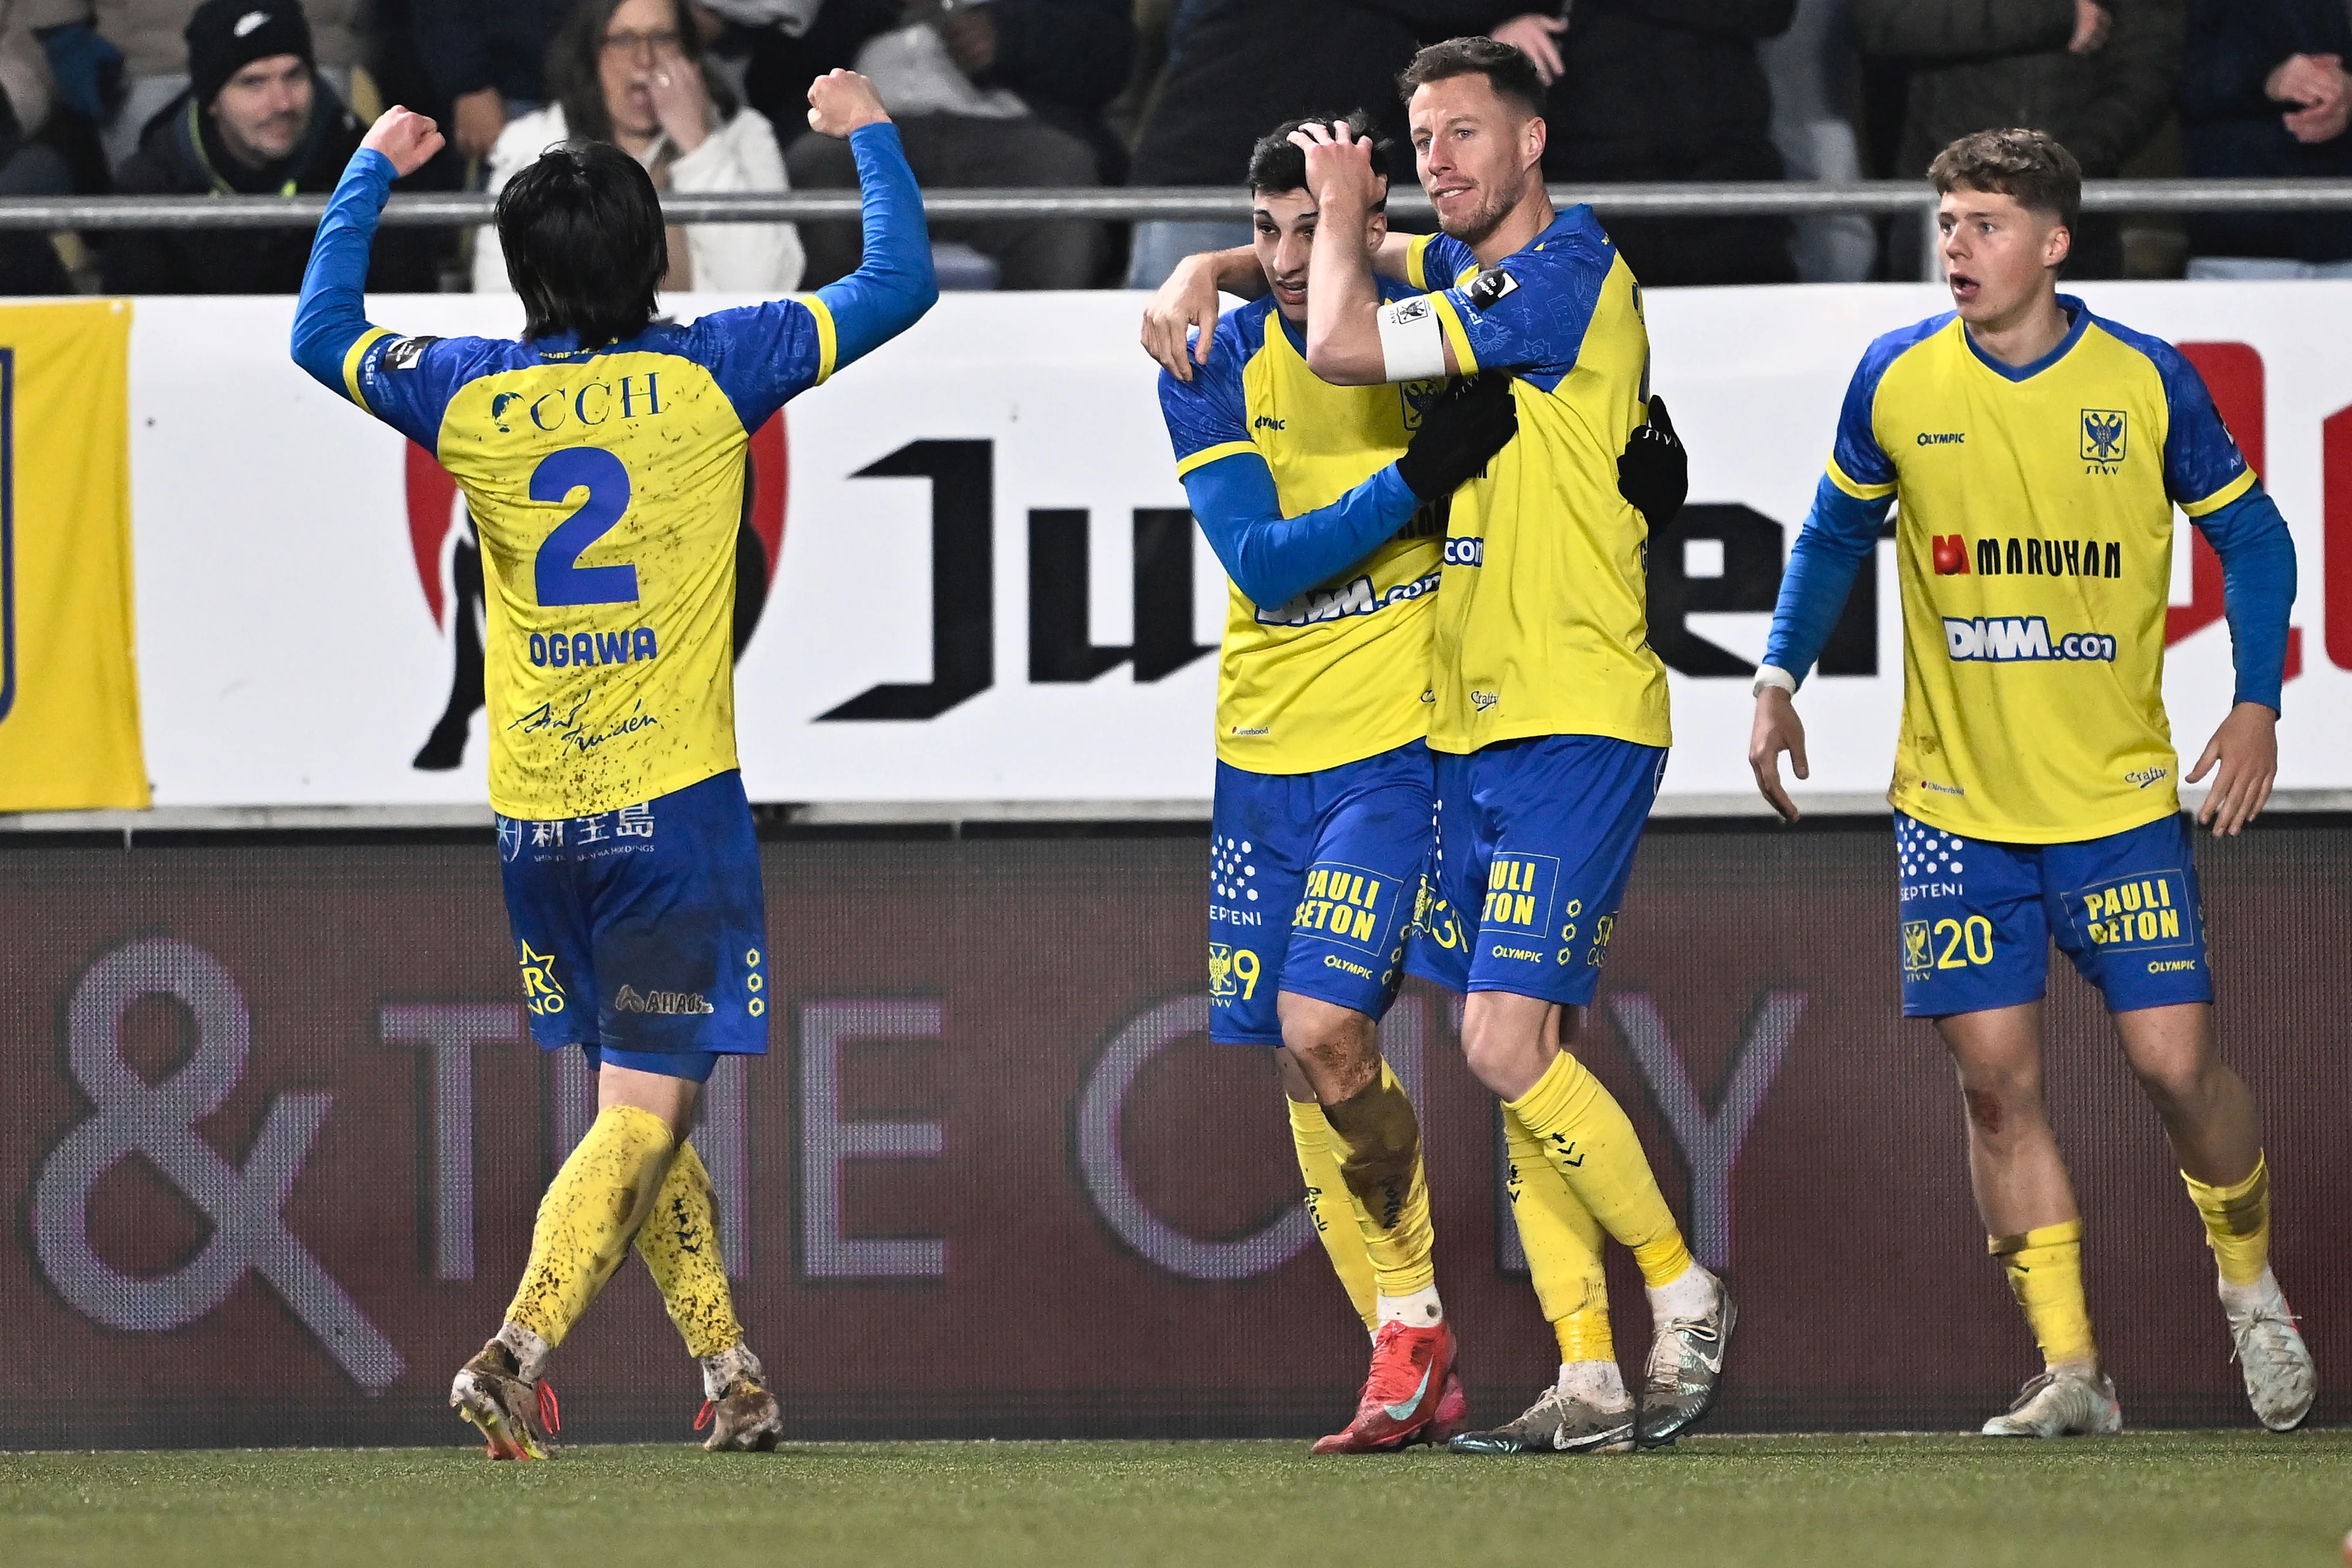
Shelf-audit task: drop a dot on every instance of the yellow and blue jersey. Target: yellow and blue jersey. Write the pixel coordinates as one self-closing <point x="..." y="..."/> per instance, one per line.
<point x="1543" y="624"/>
<point x="2033" y="543"/>
<point x="1334" y="562"/>
<point x="606" y="481"/>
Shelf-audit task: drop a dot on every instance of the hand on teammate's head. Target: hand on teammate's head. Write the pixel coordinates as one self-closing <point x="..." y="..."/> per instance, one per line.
<point x="407" y="138"/>
<point x="842" y="100"/>
<point x="1338" y="165"/>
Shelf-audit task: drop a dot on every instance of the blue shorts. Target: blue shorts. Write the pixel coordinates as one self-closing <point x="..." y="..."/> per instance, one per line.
<point x="641" y="933"/>
<point x="1977" y="918"/>
<point x="1311" y="888"/>
<point x="1535" y="841"/>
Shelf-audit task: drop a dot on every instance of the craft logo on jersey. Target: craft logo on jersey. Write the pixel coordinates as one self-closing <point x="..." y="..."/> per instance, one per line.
<point x="2147" y="910"/>
<point x="2019" y="639"/>
<point x="2103" y="434"/>
<point x="2012" y="557"/>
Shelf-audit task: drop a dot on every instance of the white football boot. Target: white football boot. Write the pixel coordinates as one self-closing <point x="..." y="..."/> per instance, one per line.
<point x="2281" y="1381"/>
<point x="2061" y="1402"/>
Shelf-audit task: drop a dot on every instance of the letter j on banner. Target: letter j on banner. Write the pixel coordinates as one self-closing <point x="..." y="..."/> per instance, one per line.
<point x="69" y="693"/>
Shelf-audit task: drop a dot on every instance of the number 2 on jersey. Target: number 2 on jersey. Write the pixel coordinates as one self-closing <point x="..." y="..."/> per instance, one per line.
<point x="556" y="573"/>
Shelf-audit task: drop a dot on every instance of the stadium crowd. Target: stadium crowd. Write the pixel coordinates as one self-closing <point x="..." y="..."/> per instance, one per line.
<point x="271" y="96"/>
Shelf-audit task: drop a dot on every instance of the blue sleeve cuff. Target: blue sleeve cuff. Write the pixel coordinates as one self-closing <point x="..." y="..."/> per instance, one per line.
<point x="2258" y="585"/>
<point x="1838" y="534"/>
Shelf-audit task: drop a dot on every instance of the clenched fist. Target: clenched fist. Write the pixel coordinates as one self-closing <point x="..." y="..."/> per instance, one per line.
<point x="842" y="100"/>
<point x="404" y="136"/>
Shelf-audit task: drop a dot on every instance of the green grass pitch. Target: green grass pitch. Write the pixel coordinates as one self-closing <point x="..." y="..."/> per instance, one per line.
<point x="2144" y="1500"/>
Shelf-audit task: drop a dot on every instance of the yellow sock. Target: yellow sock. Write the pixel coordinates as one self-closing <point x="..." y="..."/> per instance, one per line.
<point x="1327" y="1203"/>
<point x="591" y="1211"/>
<point x="1562" y="1241"/>
<point x="680" y="1242"/>
<point x="2237" y="1223"/>
<point x="1377" y="1138"/>
<point x="2045" y="1275"/>
<point x="1585" y="1136"/>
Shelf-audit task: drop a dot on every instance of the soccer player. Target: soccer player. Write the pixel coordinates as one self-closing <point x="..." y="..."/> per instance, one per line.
<point x="1548" y="709"/>
<point x="2037" y="452"/>
<point x="601" y="457"/>
<point x="1326" y="506"/>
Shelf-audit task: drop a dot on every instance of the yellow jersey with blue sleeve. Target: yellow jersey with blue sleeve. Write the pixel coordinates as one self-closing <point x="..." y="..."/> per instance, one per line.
<point x="2033" y="541"/>
<point x="607" y="485"/>
<point x="1334" y="562"/>
<point x="1543" y="624"/>
<point x="606" y="481"/>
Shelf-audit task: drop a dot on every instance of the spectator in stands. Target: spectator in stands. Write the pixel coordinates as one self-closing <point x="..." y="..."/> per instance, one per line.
<point x="984" y="92"/>
<point x="485" y="56"/>
<point x="255" y="120"/>
<point x="2097" y="76"/>
<point x="1814" y="87"/>
<point x="1235" y="67"/>
<point x="2266" y="95"/>
<point x="633" y="72"/>
<point x="28" y="264"/>
<point x="1672" y="90"/>
<point x="146" y="39"/>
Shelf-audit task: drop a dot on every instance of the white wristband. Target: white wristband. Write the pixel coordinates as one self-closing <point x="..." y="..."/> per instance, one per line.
<point x="1772" y="675"/>
<point x="1413" y="345"/>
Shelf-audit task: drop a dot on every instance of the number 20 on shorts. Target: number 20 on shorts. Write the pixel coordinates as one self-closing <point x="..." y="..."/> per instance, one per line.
<point x="1947" y="944"/>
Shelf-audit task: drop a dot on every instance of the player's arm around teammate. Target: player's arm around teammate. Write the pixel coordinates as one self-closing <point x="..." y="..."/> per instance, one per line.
<point x="1548" y="752"/>
<point x="2038" y="452"/>
<point x="1324" y="505"/>
<point x="627" y="850"/>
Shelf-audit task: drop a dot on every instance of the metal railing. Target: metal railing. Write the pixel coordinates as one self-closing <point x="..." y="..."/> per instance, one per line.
<point x="1182" y="203"/>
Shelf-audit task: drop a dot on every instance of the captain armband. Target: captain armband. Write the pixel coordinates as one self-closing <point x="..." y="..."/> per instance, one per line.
<point x="1413" y="345"/>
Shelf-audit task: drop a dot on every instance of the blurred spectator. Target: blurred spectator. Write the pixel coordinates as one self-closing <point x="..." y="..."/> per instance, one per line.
<point x="485" y="56"/>
<point x="985" y="92"/>
<point x="255" y="120"/>
<point x="137" y="61"/>
<point x="1811" y="69"/>
<point x="1237" y="67"/>
<point x="1672" y="90"/>
<point x="28" y="263"/>
<point x="633" y="72"/>
<point x="2098" y="76"/>
<point x="2266" y="96"/>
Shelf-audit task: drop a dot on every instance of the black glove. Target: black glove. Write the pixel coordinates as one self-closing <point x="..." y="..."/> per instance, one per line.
<point x="1470" y="422"/>
<point x="1654" y="472"/>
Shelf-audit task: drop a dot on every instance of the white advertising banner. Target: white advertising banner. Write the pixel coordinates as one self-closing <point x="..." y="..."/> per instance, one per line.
<point x="927" y="520"/>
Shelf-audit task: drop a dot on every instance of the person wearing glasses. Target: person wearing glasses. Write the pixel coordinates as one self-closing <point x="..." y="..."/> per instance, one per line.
<point x="631" y="72"/>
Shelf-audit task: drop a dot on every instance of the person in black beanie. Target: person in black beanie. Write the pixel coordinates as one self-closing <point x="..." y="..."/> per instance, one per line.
<point x="256" y="120"/>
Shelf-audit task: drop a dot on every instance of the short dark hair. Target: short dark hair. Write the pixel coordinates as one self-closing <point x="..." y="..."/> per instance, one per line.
<point x="584" y="242"/>
<point x="2027" y="165"/>
<point x="1507" y="69"/>
<point x="1277" y="164"/>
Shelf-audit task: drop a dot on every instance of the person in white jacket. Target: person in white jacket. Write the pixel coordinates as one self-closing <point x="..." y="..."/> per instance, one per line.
<point x="630" y="72"/>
